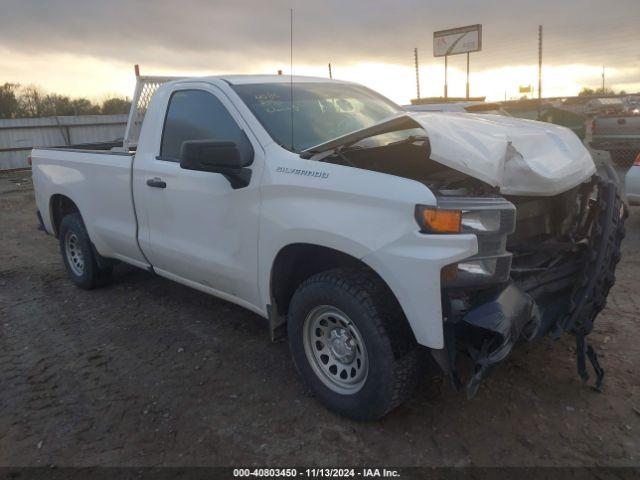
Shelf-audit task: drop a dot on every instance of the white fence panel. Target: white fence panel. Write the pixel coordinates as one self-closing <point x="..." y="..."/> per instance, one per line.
<point x="19" y="135"/>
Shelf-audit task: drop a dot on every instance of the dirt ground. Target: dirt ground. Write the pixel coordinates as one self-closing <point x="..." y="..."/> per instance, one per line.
<point x="148" y="372"/>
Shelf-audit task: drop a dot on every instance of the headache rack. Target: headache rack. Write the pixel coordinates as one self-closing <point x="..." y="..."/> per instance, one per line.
<point x="146" y="86"/>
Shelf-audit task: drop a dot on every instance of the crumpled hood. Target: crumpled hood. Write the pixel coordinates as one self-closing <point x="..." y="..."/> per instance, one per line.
<point x="520" y="157"/>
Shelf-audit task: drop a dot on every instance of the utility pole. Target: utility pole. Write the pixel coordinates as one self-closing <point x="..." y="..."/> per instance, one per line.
<point x="330" y="73"/>
<point x="291" y="72"/>
<point x="446" y="87"/>
<point x="539" y="70"/>
<point x="603" y="79"/>
<point x="415" y="57"/>
<point x="467" y="75"/>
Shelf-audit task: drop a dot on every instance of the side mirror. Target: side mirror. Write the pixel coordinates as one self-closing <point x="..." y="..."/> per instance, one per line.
<point x="217" y="156"/>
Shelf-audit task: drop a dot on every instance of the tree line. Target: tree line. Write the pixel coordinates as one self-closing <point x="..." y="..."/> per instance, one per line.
<point x="589" y="92"/>
<point x="17" y="101"/>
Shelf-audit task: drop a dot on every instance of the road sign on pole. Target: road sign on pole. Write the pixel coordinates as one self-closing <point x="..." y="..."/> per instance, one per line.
<point x="456" y="41"/>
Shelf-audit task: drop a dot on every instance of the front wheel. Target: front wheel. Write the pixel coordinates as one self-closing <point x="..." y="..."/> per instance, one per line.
<point x="351" y="343"/>
<point x="78" y="254"/>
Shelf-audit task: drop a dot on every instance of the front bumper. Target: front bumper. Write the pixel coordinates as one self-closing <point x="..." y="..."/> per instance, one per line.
<point x="486" y="324"/>
<point x="41" y="226"/>
<point x="411" y="267"/>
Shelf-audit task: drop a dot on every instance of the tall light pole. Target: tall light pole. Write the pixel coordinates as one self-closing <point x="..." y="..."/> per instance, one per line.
<point x="467" y="75"/>
<point x="446" y="86"/>
<point x="539" y="70"/>
<point x="415" y="58"/>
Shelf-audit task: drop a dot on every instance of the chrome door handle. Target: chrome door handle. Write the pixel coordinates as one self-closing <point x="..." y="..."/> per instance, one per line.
<point x="156" y="183"/>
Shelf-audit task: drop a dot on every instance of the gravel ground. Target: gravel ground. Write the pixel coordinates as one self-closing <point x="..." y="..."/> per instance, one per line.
<point x="148" y="372"/>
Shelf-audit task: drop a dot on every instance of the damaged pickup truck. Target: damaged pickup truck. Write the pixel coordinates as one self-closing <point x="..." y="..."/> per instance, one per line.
<point x="364" y="233"/>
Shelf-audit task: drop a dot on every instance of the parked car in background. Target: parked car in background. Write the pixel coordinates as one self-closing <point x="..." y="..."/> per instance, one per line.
<point x="604" y="106"/>
<point x="460" y="107"/>
<point x="632" y="183"/>
<point x="546" y="112"/>
<point x="527" y="109"/>
<point x="619" y="135"/>
<point x="363" y="233"/>
<point x="632" y="104"/>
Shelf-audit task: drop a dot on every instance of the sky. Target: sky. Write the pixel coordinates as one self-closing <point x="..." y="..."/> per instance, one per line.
<point x="88" y="47"/>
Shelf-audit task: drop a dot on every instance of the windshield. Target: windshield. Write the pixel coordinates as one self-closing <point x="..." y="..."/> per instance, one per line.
<point x="321" y="111"/>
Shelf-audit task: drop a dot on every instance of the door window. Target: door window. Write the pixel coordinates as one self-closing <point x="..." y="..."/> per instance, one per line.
<point x="195" y="115"/>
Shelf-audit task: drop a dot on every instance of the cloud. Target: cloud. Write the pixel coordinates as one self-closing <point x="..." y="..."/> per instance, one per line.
<point x="223" y="35"/>
<point x="212" y="36"/>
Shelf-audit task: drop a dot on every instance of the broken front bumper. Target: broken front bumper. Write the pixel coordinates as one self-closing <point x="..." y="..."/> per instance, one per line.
<point x="485" y="324"/>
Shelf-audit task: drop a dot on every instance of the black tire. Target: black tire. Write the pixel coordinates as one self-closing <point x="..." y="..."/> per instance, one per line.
<point x="91" y="275"/>
<point x="393" y="355"/>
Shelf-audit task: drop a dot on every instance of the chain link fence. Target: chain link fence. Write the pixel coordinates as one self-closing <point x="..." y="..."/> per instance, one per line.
<point x="618" y="135"/>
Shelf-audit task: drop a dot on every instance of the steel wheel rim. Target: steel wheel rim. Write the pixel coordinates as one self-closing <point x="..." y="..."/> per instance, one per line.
<point x="75" y="258"/>
<point x="335" y="349"/>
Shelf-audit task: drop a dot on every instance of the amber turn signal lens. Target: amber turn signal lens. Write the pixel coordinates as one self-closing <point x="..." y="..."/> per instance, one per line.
<point x="440" y="221"/>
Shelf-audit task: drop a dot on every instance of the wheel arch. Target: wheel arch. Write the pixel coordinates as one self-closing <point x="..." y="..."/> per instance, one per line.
<point x="59" y="206"/>
<point x="295" y="263"/>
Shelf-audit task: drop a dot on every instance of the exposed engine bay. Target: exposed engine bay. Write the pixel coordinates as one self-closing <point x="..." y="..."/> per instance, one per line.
<point x="550" y="260"/>
<point x="564" y="253"/>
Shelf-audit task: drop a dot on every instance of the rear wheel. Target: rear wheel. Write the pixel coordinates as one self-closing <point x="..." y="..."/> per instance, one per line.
<point x="78" y="254"/>
<point x="351" y="343"/>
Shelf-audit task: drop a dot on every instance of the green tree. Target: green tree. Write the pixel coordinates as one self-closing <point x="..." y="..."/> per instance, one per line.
<point x="54" y="104"/>
<point x="8" y="100"/>
<point x="586" y="91"/>
<point x="30" y="102"/>
<point x="113" y="106"/>
<point x="84" y="106"/>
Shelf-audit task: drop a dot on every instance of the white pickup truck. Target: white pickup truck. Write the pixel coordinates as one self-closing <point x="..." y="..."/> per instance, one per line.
<point x="364" y="233"/>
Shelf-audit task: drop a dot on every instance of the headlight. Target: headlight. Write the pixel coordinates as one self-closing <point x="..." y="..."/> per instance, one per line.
<point x="477" y="272"/>
<point x="480" y="216"/>
<point x="435" y="220"/>
<point x="490" y="220"/>
<point x="481" y="221"/>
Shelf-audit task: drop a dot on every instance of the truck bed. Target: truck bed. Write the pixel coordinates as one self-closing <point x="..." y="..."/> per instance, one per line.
<point x="619" y="135"/>
<point x="113" y="147"/>
<point x="617" y="125"/>
<point x="98" y="183"/>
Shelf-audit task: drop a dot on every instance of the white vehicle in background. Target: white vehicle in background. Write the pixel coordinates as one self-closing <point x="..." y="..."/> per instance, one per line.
<point x="632" y="183"/>
<point x="362" y="232"/>
<point x="459" y="107"/>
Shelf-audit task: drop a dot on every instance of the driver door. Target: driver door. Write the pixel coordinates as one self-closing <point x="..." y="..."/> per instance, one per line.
<point x="194" y="227"/>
